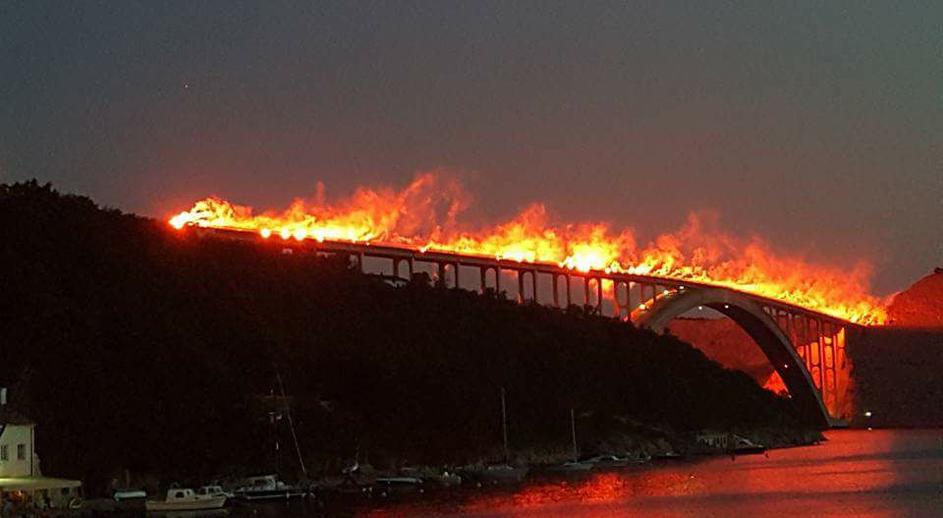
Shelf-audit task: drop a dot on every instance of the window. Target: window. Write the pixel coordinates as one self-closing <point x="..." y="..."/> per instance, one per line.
<point x="20" y="452"/>
<point x="4" y="452"/>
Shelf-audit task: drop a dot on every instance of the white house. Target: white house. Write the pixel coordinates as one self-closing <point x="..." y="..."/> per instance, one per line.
<point x="20" y="478"/>
<point x="17" y="458"/>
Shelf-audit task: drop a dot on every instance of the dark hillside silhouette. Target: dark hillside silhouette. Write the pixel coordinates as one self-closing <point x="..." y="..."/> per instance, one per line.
<point x="136" y="346"/>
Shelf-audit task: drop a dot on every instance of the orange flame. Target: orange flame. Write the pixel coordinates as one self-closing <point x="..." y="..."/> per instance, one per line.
<point x="424" y="216"/>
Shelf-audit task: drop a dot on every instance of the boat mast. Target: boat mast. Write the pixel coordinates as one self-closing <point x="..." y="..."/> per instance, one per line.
<point x="291" y="423"/>
<point x="576" y="454"/>
<point x="504" y="427"/>
<point x="273" y="417"/>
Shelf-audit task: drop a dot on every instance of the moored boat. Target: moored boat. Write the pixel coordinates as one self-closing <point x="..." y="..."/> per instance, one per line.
<point x="503" y="473"/>
<point x="268" y="487"/>
<point x="444" y="479"/>
<point x="608" y="461"/>
<point x="388" y="486"/>
<point x="575" y="465"/>
<point x="184" y="499"/>
<point x="571" y="467"/>
<point x="214" y="491"/>
<point x="744" y="446"/>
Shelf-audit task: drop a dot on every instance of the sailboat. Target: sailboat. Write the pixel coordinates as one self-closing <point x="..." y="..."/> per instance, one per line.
<point x="573" y="465"/>
<point x="269" y="487"/>
<point x="502" y="472"/>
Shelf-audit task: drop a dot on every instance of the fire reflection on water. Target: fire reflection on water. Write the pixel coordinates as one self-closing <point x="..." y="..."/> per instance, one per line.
<point x="856" y="472"/>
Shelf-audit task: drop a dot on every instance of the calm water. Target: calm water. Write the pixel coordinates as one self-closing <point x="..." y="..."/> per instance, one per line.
<point x="858" y="473"/>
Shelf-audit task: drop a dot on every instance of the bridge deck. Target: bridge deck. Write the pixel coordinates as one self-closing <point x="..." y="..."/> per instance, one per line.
<point x="395" y="251"/>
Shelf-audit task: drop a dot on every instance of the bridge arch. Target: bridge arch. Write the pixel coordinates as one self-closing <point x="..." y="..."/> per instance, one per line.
<point x="750" y="316"/>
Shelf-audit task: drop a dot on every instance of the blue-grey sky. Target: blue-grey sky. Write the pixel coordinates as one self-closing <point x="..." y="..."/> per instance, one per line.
<point x="818" y="125"/>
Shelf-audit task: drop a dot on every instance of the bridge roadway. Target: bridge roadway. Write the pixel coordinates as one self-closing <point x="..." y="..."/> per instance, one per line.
<point x="806" y="347"/>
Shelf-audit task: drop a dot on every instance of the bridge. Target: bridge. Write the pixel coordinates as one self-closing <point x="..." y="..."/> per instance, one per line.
<point x="806" y="348"/>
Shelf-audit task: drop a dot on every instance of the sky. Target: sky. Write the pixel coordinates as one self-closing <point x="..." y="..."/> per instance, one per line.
<point x="817" y="125"/>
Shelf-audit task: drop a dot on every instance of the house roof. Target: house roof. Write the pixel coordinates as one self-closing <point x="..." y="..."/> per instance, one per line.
<point x="9" y="416"/>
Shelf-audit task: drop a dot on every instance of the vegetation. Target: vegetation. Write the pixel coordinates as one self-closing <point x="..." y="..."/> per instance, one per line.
<point x="139" y="347"/>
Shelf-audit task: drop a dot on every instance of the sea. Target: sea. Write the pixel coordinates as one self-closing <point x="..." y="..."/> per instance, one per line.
<point x="865" y="473"/>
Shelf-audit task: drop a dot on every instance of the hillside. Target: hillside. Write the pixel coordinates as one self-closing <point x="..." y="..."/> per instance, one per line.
<point x="920" y="305"/>
<point x="138" y="347"/>
<point x="725" y="342"/>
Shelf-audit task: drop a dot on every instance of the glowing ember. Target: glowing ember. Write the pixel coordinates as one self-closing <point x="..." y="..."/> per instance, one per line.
<point x="423" y="216"/>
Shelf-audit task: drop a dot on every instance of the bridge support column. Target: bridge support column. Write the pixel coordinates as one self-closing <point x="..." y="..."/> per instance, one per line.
<point x="533" y="283"/>
<point x="599" y="295"/>
<point x="520" y="286"/>
<point x="359" y="259"/>
<point x="440" y="269"/>
<point x="556" y="291"/>
<point x="569" y="294"/>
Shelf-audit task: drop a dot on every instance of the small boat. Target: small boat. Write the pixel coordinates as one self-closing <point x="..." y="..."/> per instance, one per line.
<point x="129" y="494"/>
<point x="504" y="473"/>
<point x="574" y="465"/>
<point x="608" y="461"/>
<point x="571" y="467"/>
<point x="388" y="486"/>
<point x="183" y="499"/>
<point x="214" y="491"/>
<point x="268" y="487"/>
<point x="129" y="499"/>
<point x="498" y="473"/>
<point x="445" y="479"/>
<point x="668" y="455"/>
<point x="744" y="446"/>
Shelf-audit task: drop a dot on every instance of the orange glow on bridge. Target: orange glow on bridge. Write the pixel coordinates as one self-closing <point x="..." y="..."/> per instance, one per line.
<point x="424" y="216"/>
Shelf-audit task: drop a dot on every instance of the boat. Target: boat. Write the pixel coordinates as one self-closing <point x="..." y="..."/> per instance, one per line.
<point x="574" y="465"/>
<point x="505" y="472"/>
<point x="607" y="461"/>
<point x="744" y="446"/>
<point x="214" y="491"/>
<point x="128" y="494"/>
<point x="388" y="486"/>
<point x="668" y="455"/>
<point x="444" y="479"/>
<point x="268" y="487"/>
<point x="128" y="499"/>
<point x="501" y="473"/>
<point x="184" y="499"/>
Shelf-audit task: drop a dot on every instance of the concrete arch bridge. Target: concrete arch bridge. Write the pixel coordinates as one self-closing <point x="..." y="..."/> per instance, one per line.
<point x="806" y="348"/>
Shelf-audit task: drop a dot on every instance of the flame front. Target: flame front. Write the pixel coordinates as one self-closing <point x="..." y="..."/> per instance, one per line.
<point x="424" y="216"/>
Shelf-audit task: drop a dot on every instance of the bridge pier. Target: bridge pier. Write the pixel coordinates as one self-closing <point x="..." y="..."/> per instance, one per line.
<point x="520" y="286"/>
<point x="533" y="283"/>
<point x="556" y="290"/>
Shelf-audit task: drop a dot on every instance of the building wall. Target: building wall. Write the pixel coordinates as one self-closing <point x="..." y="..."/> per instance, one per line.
<point x="13" y="466"/>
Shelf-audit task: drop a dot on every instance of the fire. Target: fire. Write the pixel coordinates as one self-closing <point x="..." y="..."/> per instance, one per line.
<point x="424" y="215"/>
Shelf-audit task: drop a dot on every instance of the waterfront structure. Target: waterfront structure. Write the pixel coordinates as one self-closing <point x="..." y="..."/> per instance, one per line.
<point x="21" y="480"/>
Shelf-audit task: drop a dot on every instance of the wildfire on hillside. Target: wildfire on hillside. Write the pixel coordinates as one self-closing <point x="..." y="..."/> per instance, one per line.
<point x="424" y="215"/>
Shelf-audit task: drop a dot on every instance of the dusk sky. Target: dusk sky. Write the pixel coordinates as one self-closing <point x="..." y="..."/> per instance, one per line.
<point x="818" y="126"/>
